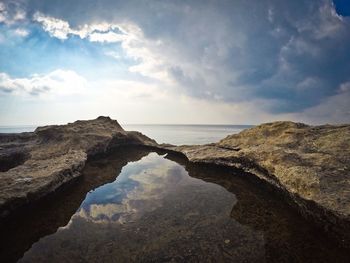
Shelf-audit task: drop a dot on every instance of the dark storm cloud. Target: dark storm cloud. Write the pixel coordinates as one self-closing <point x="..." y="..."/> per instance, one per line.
<point x="293" y="53"/>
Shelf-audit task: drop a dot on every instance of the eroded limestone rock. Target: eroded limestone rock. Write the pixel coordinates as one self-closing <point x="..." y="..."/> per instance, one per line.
<point x="35" y="164"/>
<point x="310" y="164"/>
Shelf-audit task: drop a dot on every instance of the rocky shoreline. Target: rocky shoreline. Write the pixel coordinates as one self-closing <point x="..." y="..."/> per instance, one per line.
<point x="35" y="164"/>
<point x="309" y="165"/>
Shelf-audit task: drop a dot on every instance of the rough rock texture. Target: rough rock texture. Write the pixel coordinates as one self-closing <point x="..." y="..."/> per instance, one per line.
<point x="34" y="164"/>
<point x="310" y="164"/>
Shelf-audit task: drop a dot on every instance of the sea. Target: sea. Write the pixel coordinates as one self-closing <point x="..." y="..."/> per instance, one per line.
<point x="170" y="133"/>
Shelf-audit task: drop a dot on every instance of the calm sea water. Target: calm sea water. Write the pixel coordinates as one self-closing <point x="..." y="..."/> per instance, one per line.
<point x="187" y="134"/>
<point x="173" y="134"/>
<point x="17" y="128"/>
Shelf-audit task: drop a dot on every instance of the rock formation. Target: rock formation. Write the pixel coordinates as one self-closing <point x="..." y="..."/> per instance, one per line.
<point x="309" y="164"/>
<point x="35" y="164"/>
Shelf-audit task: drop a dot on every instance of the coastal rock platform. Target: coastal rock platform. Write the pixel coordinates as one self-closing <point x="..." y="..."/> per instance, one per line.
<point x="36" y="163"/>
<point x="310" y="165"/>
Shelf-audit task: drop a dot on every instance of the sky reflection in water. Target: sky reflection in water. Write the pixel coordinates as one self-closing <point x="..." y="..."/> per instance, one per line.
<point x="138" y="189"/>
<point x="157" y="210"/>
<point x="153" y="211"/>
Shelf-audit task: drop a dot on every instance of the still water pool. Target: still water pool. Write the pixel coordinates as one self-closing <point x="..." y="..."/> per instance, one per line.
<point x="140" y="206"/>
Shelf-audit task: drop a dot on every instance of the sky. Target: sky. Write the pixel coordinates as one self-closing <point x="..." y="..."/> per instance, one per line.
<point x="174" y="62"/>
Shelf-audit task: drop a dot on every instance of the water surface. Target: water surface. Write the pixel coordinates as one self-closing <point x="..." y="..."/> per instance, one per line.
<point x="187" y="134"/>
<point x="17" y="128"/>
<point x="140" y="206"/>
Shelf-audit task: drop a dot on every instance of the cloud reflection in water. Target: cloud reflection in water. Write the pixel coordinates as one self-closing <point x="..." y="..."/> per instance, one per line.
<point x="138" y="189"/>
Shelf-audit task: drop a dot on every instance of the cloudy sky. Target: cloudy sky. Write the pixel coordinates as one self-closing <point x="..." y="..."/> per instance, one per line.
<point x="227" y="62"/>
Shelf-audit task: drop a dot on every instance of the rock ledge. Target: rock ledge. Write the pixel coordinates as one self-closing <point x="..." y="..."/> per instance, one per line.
<point x="309" y="164"/>
<point x="35" y="164"/>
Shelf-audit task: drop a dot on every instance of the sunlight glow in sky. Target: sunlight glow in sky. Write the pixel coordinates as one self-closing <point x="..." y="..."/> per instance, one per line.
<point x="214" y="62"/>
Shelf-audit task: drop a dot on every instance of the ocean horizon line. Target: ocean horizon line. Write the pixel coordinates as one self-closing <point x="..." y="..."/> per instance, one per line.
<point x="131" y="124"/>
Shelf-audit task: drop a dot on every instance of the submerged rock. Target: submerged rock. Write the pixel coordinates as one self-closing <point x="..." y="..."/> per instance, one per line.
<point x="310" y="164"/>
<point x="35" y="164"/>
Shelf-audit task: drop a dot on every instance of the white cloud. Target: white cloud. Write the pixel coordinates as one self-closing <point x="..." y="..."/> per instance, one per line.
<point x="13" y="16"/>
<point x="270" y="15"/>
<point x="325" y="22"/>
<point x="11" y="13"/>
<point x="58" y="82"/>
<point x="56" y="27"/>
<point x="135" y="45"/>
<point x="21" y="32"/>
<point x="128" y="90"/>
<point x="344" y="87"/>
<point x="113" y="54"/>
<point x="3" y="12"/>
<point x="101" y="32"/>
<point x="19" y="15"/>
<point x="109" y="37"/>
<point x="289" y="56"/>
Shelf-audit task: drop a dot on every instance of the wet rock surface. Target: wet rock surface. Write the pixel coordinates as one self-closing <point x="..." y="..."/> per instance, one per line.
<point x="35" y="164"/>
<point x="309" y="164"/>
